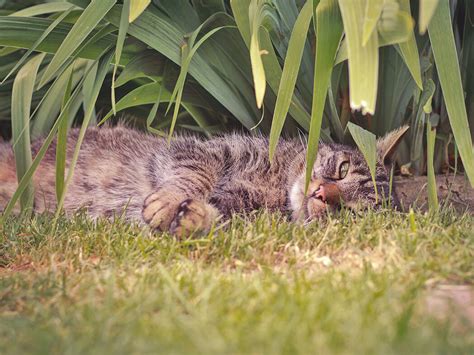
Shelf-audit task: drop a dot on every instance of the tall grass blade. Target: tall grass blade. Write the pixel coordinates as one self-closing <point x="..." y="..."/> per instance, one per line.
<point x="418" y="126"/>
<point x="430" y="145"/>
<point x="88" y="20"/>
<point x="290" y="73"/>
<point x="189" y="50"/>
<point x="123" y="28"/>
<point x="373" y="10"/>
<point x="49" y="107"/>
<point x="447" y="66"/>
<point x="256" y="52"/>
<point x="25" y="180"/>
<point x="328" y="35"/>
<point x="363" y="59"/>
<point x="41" y="9"/>
<point x="143" y="95"/>
<point x="22" y="94"/>
<point x="88" y="88"/>
<point x="136" y="8"/>
<point x="367" y="144"/>
<point x="427" y="10"/>
<point x="30" y="50"/>
<point x="23" y="32"/>
<point x="103" y="68"/>
<point x="273" y="71"/>
<point x="61" y="144"/>
<point x="409" y="50"/>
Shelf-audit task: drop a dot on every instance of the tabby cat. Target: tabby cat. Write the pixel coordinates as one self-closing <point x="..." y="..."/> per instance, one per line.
<point x="187" y="185"/>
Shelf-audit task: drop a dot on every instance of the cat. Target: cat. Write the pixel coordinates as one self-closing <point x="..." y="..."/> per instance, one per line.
<point x="186" y="185"/>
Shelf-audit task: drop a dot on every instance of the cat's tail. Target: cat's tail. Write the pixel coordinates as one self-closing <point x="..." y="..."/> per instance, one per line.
<point x="8" y="182"/>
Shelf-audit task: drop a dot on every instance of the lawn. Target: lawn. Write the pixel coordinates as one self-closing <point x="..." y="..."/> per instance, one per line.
<point x="351" y="284"/>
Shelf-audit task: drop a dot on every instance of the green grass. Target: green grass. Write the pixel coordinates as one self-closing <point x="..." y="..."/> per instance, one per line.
<point x="259" y="285"/>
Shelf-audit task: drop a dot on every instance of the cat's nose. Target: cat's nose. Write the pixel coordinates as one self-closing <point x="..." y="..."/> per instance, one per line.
<point x="327" y="192"/>
<point x="320" y="193"/>
<point x="314" y="187"/>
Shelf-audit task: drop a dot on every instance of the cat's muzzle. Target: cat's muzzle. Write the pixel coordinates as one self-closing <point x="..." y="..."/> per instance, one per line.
<point x="323" y="197"/>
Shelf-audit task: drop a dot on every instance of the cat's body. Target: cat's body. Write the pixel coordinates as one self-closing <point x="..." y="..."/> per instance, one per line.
<point x="188" y="183"/>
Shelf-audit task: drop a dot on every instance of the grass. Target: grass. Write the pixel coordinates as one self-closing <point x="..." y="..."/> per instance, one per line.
<point x="353" y="284"/>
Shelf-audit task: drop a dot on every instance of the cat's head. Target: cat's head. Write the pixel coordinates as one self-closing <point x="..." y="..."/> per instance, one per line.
<point x="341" y="176"/>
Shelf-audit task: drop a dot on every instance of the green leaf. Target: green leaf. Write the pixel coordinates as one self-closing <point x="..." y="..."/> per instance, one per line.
<point x="49" y="106"/>
<point x="136" y="8"/>
<point x="430" y="145"/>
<point x="447" y="66"/>
<point x="256" y="53"/>
<point x="427" y="10"/>
<point x="363" y="60"/>
<point x="38" y="42"/>
<point x="22" y="94"/>
<point x="189" y="49"/>
<point x="397" y="28"/>
<point x="88" y="88"/>
<point x="328" y="35"/>
<point x="123" y="28"/>
<point x="367" y="144"/>
<point x="373" y="10"/>
<point x="290" y="73"/>
<point x="41" y="9"/>
<point x="418" y="127"/>
<point x="273" y="71"/>
<point x="61" y="144"/>
<point x="143" y="95"/>
<point x="26" y="179"/>
<point x="20" y="32"/>
<point x="103" y="68"/>
<point x="144" y="65"/>
<point x="88" y="20"/>
<point x="409" y="50"/>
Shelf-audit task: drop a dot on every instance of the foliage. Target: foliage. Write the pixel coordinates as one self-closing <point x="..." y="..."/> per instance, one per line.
<point x="257" y="64"/>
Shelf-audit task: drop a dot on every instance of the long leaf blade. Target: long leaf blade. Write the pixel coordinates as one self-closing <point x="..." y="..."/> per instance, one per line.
<point x="88" y="20"/>
<point x="447" y="66"/>
<point x="290" y="73"/>
<point x="136" y="8"/>
<point x="366" y="142"/>
<point x="22" y="94"/>
<point x="427" y="11"/>
<point x="363" y="59"/>
<point x="328" y="35"/>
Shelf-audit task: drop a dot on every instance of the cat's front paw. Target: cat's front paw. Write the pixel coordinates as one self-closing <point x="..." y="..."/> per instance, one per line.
<point x="159" y="210"/>
<point x="193" y="216"/>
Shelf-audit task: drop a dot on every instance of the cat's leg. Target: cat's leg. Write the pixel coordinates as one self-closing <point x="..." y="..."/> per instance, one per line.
<point x="171" y="209"/>
<point x="179" y="203"/>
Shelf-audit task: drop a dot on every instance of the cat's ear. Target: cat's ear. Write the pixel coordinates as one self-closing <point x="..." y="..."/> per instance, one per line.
<point x="387" y="145"/>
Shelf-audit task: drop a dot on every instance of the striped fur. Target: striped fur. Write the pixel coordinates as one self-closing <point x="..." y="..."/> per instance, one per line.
<point x="189" y="183"/>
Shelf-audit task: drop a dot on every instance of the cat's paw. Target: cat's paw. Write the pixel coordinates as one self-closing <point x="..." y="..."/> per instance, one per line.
<point x="159" y="210"/>
<point x="193" y="216"/>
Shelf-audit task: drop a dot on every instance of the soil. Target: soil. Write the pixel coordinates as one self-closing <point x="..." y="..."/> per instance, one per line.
<point x="453" y="190"/>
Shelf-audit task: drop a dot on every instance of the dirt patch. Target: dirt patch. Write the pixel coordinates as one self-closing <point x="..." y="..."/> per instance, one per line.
<point x="455" y="190"/>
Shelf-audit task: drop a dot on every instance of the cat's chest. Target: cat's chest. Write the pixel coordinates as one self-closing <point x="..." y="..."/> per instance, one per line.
<point x="250" y="189"/>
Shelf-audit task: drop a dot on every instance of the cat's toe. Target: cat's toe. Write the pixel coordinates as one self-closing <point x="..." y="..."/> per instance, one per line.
<point x="193" y="216"/>
<point x="158" y="212"/>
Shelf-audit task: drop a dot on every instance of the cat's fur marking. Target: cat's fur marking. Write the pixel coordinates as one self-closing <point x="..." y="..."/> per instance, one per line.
<point x="187" y="184"/>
